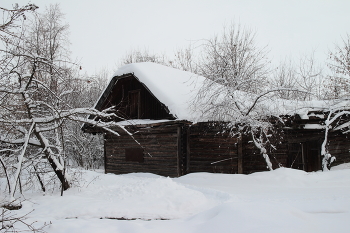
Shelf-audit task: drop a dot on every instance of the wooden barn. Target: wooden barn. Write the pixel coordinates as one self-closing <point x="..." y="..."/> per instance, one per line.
<point x="159" y="133"/>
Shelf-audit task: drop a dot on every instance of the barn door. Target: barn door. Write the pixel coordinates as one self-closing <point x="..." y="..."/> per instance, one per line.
<point x="304" y="156"/>
<point x="295" y="156"/>
<point x="312" y="156"/>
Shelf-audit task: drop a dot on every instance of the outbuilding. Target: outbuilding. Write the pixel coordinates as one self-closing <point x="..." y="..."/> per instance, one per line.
<point x="160" y="131"/>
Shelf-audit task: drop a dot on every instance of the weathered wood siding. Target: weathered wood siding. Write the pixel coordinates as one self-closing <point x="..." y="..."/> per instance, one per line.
<point x="253" y="161"/>
<point x="160" y="151"/>
<point x="149" y="107"/>
<point x="177" y="148"/>
<point x="304" y="149"/>
<point x="211" y="150"/>
<point x="311" y="140"/>
<point x="339" y="147"/>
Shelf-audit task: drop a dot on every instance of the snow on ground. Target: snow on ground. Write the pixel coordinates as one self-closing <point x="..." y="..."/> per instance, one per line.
<point x="283" y="200"/>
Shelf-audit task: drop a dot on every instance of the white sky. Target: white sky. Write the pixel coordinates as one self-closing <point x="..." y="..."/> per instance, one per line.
<point x="103" y="31"/>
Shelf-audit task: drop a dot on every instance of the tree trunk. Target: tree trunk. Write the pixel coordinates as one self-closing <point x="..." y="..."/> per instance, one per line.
<point x="59" y="172"/>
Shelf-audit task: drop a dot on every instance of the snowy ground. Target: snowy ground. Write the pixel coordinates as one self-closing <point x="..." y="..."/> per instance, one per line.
<point x="284" y="200"/>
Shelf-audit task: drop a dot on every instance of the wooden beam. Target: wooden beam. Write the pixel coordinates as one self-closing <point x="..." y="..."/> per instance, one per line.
<point x="240" y="155"/>
<point x="104" y="152"/>
<point x="188" y="151"/>
<point x="179" y="152"/>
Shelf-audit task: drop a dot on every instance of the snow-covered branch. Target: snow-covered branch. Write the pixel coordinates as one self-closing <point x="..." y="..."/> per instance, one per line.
<point x="20" y="160"/>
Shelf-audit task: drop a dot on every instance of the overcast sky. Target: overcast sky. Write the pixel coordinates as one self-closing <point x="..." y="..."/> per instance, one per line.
<point x="103" y="31"/>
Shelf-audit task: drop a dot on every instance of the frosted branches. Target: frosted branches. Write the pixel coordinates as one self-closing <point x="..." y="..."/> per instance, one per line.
<point x="236" y="87"/>
<point x="38" y="98"/>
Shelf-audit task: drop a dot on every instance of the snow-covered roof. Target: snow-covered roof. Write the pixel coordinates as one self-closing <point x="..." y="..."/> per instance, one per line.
<point x="174" y="88"/>
<point x="307" y="109"/>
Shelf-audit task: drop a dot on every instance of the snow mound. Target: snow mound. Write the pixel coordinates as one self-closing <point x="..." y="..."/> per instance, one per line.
<point x="283" y="200"/>
<point x="341" y="167"/>
<point x="142" y="196"/>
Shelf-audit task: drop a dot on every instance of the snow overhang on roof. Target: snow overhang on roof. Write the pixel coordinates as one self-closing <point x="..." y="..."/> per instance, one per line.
<point x="175" y="88"/>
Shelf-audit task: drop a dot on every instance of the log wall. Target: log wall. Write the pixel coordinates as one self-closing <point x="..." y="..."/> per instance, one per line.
<point x="177" y="148"/>
<point x="160" y="151"/>
<point x="253" y="161"/>
<point x="149" y="107"/>
<point x="211" y="150"/>
<point x="339" y="147"/>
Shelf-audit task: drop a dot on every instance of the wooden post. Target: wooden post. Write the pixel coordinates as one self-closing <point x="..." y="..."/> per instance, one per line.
<point x="240" y="155"/>
<point x="104" y="152"/>
<point x="188" y="151"/>
<point x="179" y="152"/>
<point x="303" y="156"/>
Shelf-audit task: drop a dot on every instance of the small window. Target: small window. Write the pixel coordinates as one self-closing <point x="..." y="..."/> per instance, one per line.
<point x="134" y="155"/>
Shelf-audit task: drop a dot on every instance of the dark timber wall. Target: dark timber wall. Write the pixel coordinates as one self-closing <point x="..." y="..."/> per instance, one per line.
<point x="211" y="150"/>
<point x="339" y="147"/>
<point x="178" y="147"/>
<point x="304" y="148"/>
<point x="160" y="151"/>
<point x="133" y="100"/>
<point x="253" y="161"/>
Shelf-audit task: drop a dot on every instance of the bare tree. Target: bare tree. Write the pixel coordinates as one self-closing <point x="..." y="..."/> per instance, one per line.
<point x="285" y="76"/>
<point x="236" y="88"/>
<point x="10" y="31"/>
<point x="340" y="58"/>
<point x="47" y="37"/>
<point x="338" y="88"/>
<point x="11" y="17"/>
<point x="310" y="78"/>
<point x="339" y="63"/>
<point x="254" y="115"/>
<point x="47" y="34"/>
<point x="85" y="149"/>
<point x="138" y="55"/>
<point x="32" y="112"/>
<point x="233" y="59"/>
<point x="185" y="59"/>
